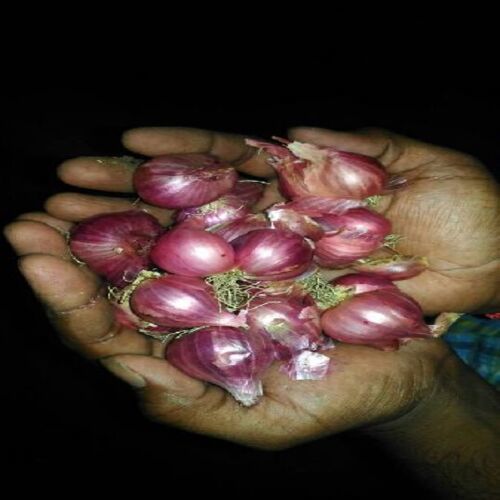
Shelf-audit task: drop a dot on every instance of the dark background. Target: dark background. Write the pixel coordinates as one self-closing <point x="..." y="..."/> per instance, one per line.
<point x="67" y="416"/>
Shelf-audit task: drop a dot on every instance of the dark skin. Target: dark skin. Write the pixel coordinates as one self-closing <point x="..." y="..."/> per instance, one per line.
<point x="449" y="212"/>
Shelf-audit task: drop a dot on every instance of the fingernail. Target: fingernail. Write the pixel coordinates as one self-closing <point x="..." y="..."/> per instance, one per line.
<point x="124" y="373"/>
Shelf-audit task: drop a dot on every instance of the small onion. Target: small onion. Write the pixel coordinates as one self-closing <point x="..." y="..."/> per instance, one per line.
<point x="381" y="319"/>
<point x="116" y="246"/>
<point x="395" y="267"/>
<point x="290" y="220"/>
<point x="291" y="321"/>
<point x="224" y="209"/>
<point x="125" y="317"/>
<point x="227" y="357"/>
<point x="192" y="252"/>
<point x="180" y="302"/>
<point x="350" y="236"/>
<point x="305" y="169"/>
<point x="317" y="206"/>
<point x="232" y="230"/>
<point x="183" y="180"/>
<point x="272" y="254"/>
<point x="363" y="282"/>
<point x="248" y="191"/>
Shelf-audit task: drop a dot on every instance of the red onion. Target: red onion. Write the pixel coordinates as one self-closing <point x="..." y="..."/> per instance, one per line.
<point x="350" y="236"/>
<point x="225" y="209"/>
<point x="396" y="267"/>
<point x="248" y="191"/>
<point x="183" y="180"/>
<point x="291" y="321"/>
<point x="227" y="357"/>
<point x="272" y="254"/>
<point x="293" y="221"/>
<point x="125" y="317"/>
<point x="232" y="230"/>
<point x="305" y="169"/>
<point x="362" y="282"/>
<point x="381" y="319"/>
<point x="116" y="246"/>
<point x="180" y="302"/>
<point x="192" y="252"/>
<point x="317" y="206"/>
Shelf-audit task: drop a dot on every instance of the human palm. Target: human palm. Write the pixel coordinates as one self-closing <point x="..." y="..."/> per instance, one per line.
<point x="449" y="213"/>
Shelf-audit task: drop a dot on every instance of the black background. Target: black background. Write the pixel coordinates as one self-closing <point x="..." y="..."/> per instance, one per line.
<point x="67" y="415"/>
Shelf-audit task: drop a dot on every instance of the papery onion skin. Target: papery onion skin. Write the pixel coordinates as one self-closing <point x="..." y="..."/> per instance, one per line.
<point x="317" y="206"/>
<point x="290" y="220"/>
<point x="380" y="319"/>
<point x="350" y="236"/>
<point x="272" y="254"/>
<point x="225" y="209"/>
<point x="116" y="246"/>
<point x="397" y="267"/>
<point x="307" y="365"/>
<point x="364" y="282"/>
<point x="192" y="252"/>
<point x="291" y="321"/>
<point x="248" y="191"/>
<point x="180" y="302"/>
<point x="232" y="230"/>
<point x="227" y="357"/>
<point x="183" y="180"/>
<point x="305" y="169"/>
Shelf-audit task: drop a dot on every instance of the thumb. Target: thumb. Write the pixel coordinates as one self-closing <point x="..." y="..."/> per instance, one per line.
<point x="153" y="373"/>
<point x="381" y="144"/>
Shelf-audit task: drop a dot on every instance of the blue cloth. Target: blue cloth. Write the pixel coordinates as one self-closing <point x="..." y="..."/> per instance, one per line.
<point x="476" y="341"/>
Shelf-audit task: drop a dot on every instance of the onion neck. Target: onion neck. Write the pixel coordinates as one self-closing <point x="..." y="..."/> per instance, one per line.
<point x="451" y="438"/>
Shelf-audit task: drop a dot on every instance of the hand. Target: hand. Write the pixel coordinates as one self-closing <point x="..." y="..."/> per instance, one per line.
<point x="367" y="387"/>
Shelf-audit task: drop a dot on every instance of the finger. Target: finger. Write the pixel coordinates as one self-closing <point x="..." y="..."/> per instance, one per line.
<point x="101" y="173"/>
<point x="171" y="397"/>
<point x="270" y="196"/>
<point x="383" y="145"/>
<point x="155" y="141"/>
<point x="60" y="225"/>
<point x="77" y="308"/>
<point x="27" y="237"/>
<point x="77" y="207"/>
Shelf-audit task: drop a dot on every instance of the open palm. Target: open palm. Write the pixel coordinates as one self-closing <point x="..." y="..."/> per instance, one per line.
<point x="449" y="213"/>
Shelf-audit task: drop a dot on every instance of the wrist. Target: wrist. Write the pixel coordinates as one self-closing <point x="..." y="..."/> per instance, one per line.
<point x="451" y="438"/>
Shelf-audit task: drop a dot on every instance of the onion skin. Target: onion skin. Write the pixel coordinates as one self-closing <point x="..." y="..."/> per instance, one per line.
<point x="192" y="252"/>
<point x="227" y="357"/>
<point x="180" y="302"/>
<point x="309" y="170"/>
<point x="397" y="267"/>
<point x="291" y="321"/>
<point x="363" y="282"/>
<point x="272" y="254"/>
<point x="227" y="208"/>
<point x="350" y="236"/>
<point x="290" y="220"/>
<point x="248" y="191"/>
<point x="183" y="180"/>
<point x="232" y="230"/>
<point x="116" y="246"/>
<point x="381" y="319"/>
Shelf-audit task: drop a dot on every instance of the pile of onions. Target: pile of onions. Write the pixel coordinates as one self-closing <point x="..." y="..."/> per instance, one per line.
<point x="230" y="290"/>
